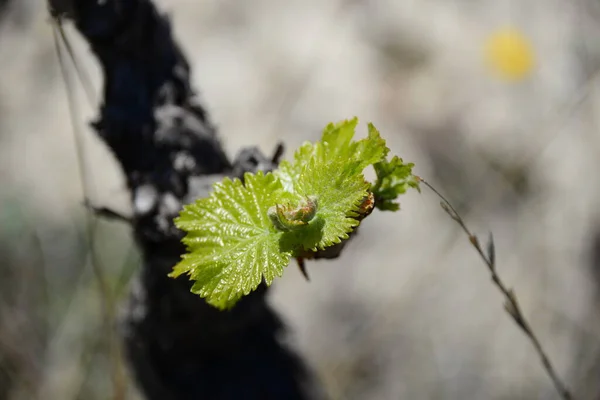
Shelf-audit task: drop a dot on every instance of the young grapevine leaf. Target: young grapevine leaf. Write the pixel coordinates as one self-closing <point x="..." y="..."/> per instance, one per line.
<point x="246" y="233"/>
<point x="393" y="179"/>
<point x="232" y="244"/>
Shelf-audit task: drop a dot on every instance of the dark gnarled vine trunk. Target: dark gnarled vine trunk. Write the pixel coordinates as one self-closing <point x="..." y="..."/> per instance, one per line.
<point x="177" y="346"/>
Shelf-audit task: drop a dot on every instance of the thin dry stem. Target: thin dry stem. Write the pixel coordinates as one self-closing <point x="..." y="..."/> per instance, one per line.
<point x="107" y="301"/>
<point x="511" y="304"/>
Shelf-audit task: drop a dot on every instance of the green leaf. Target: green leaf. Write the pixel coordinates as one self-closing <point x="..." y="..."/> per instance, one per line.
<point x="371" y="150"/>
<point x="232" y="244"/>
<point x="337" y="139"/>
<point x="393" y="179"/>
<point x="337" y="145"/>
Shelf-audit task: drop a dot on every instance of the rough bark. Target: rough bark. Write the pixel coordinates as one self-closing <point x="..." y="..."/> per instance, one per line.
<point x="177" y="346"/>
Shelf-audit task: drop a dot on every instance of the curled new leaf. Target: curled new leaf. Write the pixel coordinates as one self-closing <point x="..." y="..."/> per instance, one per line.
<point x="287" y="218"/>
<point x="394" y="177"/>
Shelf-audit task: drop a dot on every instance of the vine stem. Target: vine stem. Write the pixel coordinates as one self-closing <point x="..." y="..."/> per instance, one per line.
<point x="511" y="304"/>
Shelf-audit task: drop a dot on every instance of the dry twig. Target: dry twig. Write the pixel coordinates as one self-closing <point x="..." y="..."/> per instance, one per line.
<point x="511" y="304"/>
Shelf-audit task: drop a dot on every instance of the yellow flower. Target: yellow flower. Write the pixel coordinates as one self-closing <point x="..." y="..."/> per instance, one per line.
<point x="509" y="54"/>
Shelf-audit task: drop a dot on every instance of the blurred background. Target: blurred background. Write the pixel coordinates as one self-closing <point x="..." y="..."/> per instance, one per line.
<point x="409" y="310"/>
